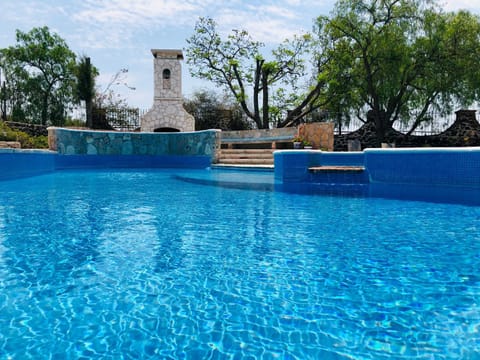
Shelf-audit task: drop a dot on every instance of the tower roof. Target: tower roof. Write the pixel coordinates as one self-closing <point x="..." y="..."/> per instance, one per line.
<point x="167" y="54"/>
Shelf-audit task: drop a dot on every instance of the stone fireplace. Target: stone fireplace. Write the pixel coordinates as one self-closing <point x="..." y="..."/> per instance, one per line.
<point x="167" y="113"/>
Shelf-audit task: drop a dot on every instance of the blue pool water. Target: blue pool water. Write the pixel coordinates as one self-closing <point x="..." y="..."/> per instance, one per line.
<point x="163" y="265"/>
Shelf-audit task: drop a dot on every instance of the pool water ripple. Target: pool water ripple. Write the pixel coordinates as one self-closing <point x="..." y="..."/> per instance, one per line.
<point x="128" y="264"/>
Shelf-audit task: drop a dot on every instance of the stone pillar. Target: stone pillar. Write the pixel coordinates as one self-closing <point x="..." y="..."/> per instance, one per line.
<point x="320" y="135"/>
<point x="52" y="138"/>
<point x="167" y="111"/>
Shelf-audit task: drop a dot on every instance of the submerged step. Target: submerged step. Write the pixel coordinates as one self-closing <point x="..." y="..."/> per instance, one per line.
<point x="338" y="174"/>
<point x="335" y="168"/>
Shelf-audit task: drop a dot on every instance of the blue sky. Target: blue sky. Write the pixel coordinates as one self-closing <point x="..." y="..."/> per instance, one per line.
<point x="120" y="33"/>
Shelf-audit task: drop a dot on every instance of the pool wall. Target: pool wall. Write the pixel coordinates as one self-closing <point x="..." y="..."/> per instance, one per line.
<point x="83" y="149"/>
<point x="438" y="174"/>
<point x="292" y="166"/>
<point x="132" y="149"/>
<point x="17" y="163"/>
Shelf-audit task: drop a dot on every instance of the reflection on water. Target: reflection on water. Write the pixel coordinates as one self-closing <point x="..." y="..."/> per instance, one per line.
<point x="119" y="264"/>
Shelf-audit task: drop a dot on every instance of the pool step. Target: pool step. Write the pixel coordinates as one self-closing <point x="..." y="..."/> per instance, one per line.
<point x="336" y="168"/>
<point x="338" y="174"/>
<point x="246" y="156"/>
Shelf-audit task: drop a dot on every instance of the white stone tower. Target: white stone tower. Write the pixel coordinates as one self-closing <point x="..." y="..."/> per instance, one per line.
<point x="167" y="112"/>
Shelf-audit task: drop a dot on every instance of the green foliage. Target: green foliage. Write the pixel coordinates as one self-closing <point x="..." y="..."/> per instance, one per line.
<point x="235" y="63"/>
<point x="32" y="142"/>
<point x="224" y="62"/>
<point x="213" y="111"/>
<point x="39" y="73"/>
<point x="85" y="86"/>
<point x="40" y="142"/>
<point x="85" y="74"/>
<point x="7" y="134"/>
<point x="399" y="60"/>
<point x="26" y="141"/>
<point x="108" y="101"/>
<point x="69" y="122"/>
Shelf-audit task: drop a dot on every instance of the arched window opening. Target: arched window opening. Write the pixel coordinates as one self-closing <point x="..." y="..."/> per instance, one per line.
<point x="166" y="78"/>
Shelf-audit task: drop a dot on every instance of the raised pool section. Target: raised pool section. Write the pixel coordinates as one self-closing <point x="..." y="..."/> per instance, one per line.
<point x="83" y="149"/>
<point x="94" y="149"/>
<point x="433" y="174"/>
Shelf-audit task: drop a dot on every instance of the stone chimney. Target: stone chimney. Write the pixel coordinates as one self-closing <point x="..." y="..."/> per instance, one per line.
<point x="167" y="112"/>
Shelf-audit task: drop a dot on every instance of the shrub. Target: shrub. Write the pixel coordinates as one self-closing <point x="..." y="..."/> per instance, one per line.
<point x="26" y="141"/>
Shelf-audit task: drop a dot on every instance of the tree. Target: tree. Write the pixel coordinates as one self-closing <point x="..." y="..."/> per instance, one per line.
<point x="212" y="111"/>
<point x="40" y="75"/>
<point x="235" y="63"/>
<point x="85" y="88"/>
<point x="110" y="109"/>
<point x="399" y="60"/>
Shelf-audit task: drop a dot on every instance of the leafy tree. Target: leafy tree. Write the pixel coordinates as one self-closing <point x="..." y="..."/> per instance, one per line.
<point x="399" y="60"/>
<point x="236" y="64"/>
<point x="13" y="98"/>
<point x="3" y="99"/>
<point x="110" y="109"/>
<point x="40" y="76"/>
<point x="107" y="97"/>
<point x="212" y="111"/>
<point x="85" y="89"/>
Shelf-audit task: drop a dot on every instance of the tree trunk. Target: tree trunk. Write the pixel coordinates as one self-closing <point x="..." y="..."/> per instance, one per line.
<point x="89" y="79"/>
<point x="89" y="111"/>
<point x="381" y="124"/>
<point x="256" y="93"/>
<point x="265" y="116"/>
<point x="44" y="110"/>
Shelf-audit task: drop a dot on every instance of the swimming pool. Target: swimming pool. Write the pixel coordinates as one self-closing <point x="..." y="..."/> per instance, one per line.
<point x="184" y="264"/>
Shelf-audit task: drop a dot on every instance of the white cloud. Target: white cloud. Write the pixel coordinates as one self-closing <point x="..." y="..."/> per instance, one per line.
<point x="117" y="23"/>
<point x="141" y="13"/>
<point x="282" y="12"/>
<point x="26" y="14"/>
<point x="454" y="5"/>
<point x="120" y="33"/>
<point x="269" y="24"/>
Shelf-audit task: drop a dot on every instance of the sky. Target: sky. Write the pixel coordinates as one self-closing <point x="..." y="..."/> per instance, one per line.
<point x="118" y="34"/>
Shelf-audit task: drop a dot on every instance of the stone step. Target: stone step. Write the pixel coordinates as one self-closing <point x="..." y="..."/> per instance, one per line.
<point x="10" y="144"/>
<point x="249" y="161"/>
<point x="247" y="151"/>
<point x="246" y="157"/>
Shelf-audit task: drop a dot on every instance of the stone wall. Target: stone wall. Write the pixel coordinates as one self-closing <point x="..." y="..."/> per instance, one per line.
<point x="319" y="134"/>
<point x="168" y="114"/>
<point x="10" y="145"/>
<point x="465" y="131"/>
<point x="30" y="129"/>
<point x="86" y="142"/>
<point x="258" y="134"/>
